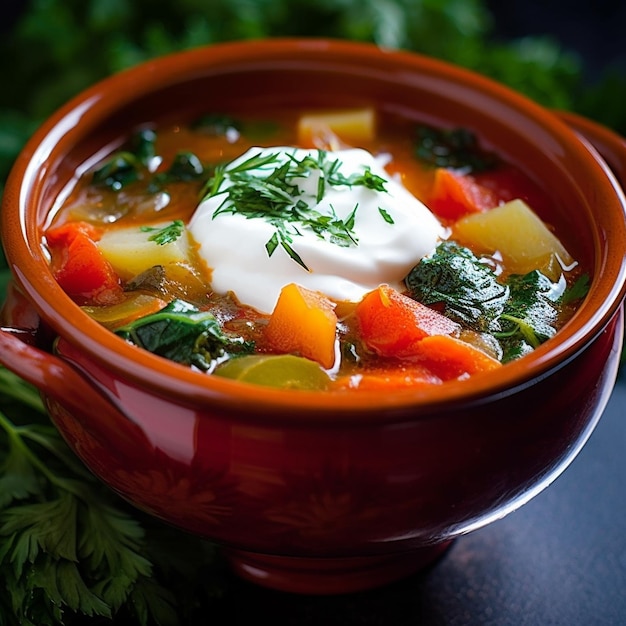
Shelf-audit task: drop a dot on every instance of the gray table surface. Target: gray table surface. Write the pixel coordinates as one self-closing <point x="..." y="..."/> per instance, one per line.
<point x="559" y="560"/>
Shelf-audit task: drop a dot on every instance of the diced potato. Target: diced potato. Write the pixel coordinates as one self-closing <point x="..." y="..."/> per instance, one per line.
<point x="351" y="126"/>
<point x="131" y="250"/>
<point x="517" y="232"/>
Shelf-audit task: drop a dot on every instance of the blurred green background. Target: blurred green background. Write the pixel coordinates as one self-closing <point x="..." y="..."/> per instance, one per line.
<point x="51" y="49"/>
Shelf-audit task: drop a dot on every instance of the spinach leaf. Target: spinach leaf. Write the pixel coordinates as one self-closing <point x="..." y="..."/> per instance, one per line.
<point x="121" y="169"/>
<point x="126" y="166"/>
<point x="530" y="315"/>
<point x="455" y="148"/>
<point x="521" y="312"/>
<point x="455" y="279"/>
<point x="216" y="125"/>
<point x="185" y="167"/>
<point x="182" y="333"/>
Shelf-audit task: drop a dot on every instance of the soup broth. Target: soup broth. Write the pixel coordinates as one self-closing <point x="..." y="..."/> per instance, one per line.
<point x="339" y="250"/>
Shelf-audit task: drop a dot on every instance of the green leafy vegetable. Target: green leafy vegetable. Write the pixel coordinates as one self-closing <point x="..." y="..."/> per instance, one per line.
<point x="468" y="290"/>
<point x="124" y="167"/>
<point x="456" y="148"/>
<point x="185" y="167"/>
<point x="182" y="333"/>
<point x="120" y="170"/>
<point x="521" y="313"/>
<point x="216" y="125"/>
<point x="530" y="314"/>
<point x="577" y="291"/>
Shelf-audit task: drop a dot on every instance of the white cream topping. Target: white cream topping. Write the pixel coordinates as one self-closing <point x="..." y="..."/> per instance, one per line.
<point x="392" y="231"/>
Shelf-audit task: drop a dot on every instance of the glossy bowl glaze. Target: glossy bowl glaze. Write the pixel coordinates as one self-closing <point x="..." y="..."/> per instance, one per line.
<point x="318" y="492"/>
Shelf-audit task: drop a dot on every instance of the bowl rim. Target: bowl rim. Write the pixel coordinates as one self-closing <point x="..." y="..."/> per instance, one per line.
<point x="174" y="381"/>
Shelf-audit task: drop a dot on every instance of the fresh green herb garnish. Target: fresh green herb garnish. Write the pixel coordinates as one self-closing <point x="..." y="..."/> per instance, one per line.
<point x="265" y="187"/>
<point x="182" y="333"/>
<point x="456" y="148"/>
<point x="386" y="216"/>
<point x="167" y="234"/>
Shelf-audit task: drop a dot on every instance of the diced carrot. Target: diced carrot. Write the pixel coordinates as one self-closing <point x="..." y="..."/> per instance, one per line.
<point x="454" y="195"/>
<point x="303" y="323"/>
<point x="449" y="358"/>
<point x="392" y="324"/>
<point x="79" y="267"/>
<point x="385" y="380"/>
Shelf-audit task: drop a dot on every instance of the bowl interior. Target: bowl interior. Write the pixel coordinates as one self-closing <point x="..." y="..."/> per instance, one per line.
<point x="588" y="206"/>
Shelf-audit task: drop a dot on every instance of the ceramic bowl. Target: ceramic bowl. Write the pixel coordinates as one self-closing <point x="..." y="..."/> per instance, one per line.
<point x="319" y="492"/>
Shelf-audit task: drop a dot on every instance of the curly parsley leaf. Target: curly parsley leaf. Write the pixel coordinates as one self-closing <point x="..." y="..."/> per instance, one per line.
<point x="71" y="549"/>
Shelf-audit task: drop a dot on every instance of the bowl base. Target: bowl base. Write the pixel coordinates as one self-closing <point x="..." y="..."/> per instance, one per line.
<point x="328" y="576"/>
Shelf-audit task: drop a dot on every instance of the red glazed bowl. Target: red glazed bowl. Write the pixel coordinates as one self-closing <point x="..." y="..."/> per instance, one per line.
<point x="319" y="492"/>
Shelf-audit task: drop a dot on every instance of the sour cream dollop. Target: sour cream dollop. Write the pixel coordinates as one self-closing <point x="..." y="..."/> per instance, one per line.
<point x="385" y="232"/>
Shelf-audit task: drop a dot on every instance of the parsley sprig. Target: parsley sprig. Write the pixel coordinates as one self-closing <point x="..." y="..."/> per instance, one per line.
<point x="166" y="234"/>
<point x="266" y="186"/>
<point x="70" y="548"/>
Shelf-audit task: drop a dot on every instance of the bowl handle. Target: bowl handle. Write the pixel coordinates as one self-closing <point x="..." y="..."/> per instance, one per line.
<point x="610" y="145"/>
<point x="53" y="376"/>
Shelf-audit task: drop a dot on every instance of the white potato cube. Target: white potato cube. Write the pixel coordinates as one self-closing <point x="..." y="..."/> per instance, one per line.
<point x="132" y="250"/>
<point x="347" y="125"/>
<point x="517" y="233"/>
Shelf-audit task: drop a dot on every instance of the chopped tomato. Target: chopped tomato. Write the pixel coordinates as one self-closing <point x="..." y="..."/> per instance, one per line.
<point x="392" y="324"/>
<point x="454" y="195"/>
<point x="79" y="267"/>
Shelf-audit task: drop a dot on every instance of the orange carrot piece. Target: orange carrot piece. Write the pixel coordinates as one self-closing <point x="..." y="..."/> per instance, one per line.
<point x="454" y="195"/>
<point x="392" y="324"/>
<point x="387" y="380"/>
<point x="304" y="323"/>
<point x="449" y="358"/>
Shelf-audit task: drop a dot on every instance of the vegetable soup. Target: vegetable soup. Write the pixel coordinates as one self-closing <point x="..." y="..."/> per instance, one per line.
<point x="329" y="249"/>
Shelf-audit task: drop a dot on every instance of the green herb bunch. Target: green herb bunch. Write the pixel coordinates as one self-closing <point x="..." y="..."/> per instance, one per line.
<point x="70" y="549"/>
